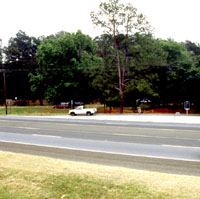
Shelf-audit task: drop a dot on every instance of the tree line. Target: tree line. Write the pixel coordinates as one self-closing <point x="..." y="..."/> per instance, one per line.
<point x="119" y="68"/>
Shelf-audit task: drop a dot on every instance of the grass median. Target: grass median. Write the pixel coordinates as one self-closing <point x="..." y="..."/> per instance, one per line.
<point x="32" y="177"/>
<point x="40" y="110"/>
<point x="33" y="110"/>
<point x="49" y="110"/>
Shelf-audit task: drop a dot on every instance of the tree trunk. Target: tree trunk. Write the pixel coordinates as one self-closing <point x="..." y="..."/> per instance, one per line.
<point x="121" y="108"/>
<point x="41" y="101"/>
<point x="110" y="109"/>
<point x="121" y="90"/>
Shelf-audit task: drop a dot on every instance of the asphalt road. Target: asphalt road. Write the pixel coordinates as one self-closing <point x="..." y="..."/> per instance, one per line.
<point x="173" y="148"/>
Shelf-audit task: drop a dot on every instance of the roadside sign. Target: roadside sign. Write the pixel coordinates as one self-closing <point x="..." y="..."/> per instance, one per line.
<point x="187" y="106"/>
<point x="9" y="101"/>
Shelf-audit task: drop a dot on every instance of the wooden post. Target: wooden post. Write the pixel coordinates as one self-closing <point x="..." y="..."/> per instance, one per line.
<point x="4" y="80"/>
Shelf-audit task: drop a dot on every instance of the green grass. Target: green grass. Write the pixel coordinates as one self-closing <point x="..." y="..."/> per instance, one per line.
<point x="33" y="110"/>
<point x="18" y="184"/>
<point x="49" y="110"/>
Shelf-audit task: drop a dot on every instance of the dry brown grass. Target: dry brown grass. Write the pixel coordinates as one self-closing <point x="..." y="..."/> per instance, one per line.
<point x="175" y="186"/>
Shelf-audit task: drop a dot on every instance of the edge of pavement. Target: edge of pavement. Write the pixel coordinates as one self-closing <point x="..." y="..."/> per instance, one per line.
<point x="154" y="118"/>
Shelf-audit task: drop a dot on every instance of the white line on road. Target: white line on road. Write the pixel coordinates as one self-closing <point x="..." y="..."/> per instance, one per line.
<point x="101" y="151"/>
<point x="179" y="146"/>
<point x="52" y="136"/>
<point x="125" y="124"/>
<point x="22" y="127"/>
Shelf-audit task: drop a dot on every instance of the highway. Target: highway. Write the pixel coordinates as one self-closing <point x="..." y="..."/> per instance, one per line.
<point x="172" y="148"/>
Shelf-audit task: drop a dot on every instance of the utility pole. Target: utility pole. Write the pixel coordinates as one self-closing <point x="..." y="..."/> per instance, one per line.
<point x="5" y="95"/>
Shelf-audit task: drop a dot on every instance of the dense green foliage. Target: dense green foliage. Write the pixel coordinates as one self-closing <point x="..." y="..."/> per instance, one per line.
<point x="1" y="87"/>
<point x="20" y="59"/>
<point x="145" y="56"/>
<point x="120" y="68"/>
<point x="65" y="62"/>
<point x="0" y="52"/>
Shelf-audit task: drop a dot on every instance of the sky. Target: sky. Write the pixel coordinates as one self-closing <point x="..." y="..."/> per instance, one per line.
<point x="176" y="19"/>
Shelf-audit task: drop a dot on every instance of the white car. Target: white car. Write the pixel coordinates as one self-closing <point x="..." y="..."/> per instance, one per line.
<point x="80" y="110"/>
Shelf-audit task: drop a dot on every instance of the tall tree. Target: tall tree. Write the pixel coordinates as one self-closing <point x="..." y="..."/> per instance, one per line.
<point x="20" y="59"/>
<point x="193" y="77"/>
<point x="177" y="70"/>
<point x="117" y="18"/>
<point x="1" y="55"/>
<point x="64" y="63"/>
<point x="195" y="49"/>
<point x="145" y="59"/>
<point x="106" y="78"/>
<point x="1" y="77"/>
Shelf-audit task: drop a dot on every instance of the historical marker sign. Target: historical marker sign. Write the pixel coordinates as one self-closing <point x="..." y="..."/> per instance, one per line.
<point x="187" y="106"/>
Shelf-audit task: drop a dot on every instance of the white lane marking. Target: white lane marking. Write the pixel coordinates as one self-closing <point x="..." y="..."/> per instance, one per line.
<point x="123" y="124"/>
<point x="99" y="151"/>
<point x="20" y="127"/>
<point x="52" y="136"/>
<point x="179" y="146"/>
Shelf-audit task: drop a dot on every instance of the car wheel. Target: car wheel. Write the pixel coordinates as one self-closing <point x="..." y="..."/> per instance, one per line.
<point x="72" y="114"/>
<point x="89" y="113"/>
